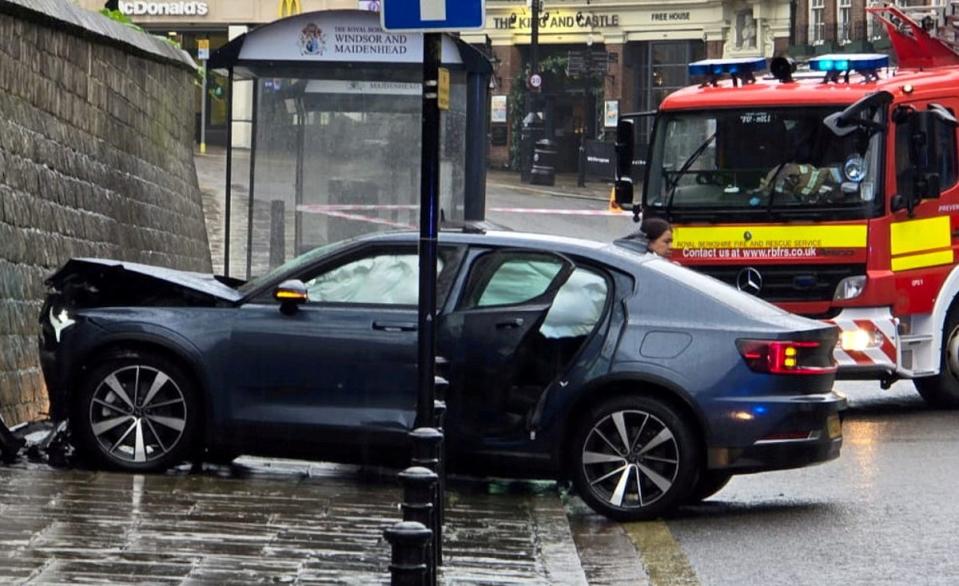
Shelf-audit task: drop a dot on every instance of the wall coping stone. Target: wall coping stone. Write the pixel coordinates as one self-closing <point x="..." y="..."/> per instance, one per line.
<point x="63" y="14"/>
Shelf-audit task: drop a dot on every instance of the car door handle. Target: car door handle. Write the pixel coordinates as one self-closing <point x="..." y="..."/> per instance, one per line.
<point x="510" y="324"/>
<point x="394" y="326"/>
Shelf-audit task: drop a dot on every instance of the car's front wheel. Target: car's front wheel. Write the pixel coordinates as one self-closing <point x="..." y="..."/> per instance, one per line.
<point x="634" y="458"/>
<point x="136" y="411"/>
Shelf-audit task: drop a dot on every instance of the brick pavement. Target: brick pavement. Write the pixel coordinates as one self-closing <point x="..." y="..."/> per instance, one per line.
<point x="263" y="522"/>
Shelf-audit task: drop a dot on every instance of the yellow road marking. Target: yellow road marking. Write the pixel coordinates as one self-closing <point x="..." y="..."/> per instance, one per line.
<point x="665" y="561"/>
<point x="930" y="259"/>
<point x="811" y="236"/>
<point x="916" y="235"/>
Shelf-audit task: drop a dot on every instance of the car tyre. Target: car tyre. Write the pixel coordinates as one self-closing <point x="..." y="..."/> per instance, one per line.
<point x="136" y="411"/>
<point x="942" y="390"/>
<point x="710" y="482"/>
<point x="634" y="458"/>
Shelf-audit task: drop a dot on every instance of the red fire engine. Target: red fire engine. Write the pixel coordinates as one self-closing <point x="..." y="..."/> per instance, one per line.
<point x="833" y="193"/>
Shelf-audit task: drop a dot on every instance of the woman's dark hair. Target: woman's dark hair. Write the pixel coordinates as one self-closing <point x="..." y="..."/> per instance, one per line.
<point x="653" y="228"/>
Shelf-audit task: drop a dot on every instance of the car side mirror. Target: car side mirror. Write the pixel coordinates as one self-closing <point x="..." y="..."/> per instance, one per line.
<point x="291" y="294"/>
<point x="625" y="152"/>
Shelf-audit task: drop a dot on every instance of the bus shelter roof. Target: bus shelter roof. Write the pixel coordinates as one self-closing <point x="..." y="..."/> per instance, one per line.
<point x="335" y="39"/>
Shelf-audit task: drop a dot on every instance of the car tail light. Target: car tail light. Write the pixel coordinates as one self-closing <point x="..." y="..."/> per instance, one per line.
<point x="782" y="357"/>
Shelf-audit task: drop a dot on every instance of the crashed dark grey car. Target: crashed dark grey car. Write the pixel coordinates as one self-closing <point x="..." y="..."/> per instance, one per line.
<point x="646" y="384"/>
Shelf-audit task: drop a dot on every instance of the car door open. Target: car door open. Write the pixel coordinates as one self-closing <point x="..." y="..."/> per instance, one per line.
<point x="504" y="302"/>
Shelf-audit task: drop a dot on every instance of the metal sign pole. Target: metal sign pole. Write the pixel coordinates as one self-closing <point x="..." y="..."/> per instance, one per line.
<point x="203" y="114"/>
<point x="203" y="54"/>
<point x="429" y="227"/>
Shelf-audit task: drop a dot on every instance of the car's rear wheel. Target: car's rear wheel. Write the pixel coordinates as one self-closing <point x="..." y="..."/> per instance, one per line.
<point x="634" y="458"/>
<point x="942" y="390"/>
<point x="136" y="411"/>
<point x="709" y="483"/>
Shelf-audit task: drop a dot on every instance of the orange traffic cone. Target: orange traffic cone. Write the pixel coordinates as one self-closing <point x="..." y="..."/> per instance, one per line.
<point x="613" y="206"/>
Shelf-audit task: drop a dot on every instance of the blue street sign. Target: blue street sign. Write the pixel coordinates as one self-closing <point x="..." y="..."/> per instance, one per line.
<point x="433" y="15"/>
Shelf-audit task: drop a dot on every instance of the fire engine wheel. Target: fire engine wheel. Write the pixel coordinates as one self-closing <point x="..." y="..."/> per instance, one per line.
<point x="942" y="390"/>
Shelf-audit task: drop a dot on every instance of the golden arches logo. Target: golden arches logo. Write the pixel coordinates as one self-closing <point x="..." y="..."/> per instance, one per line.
<point x="289" y="8"/>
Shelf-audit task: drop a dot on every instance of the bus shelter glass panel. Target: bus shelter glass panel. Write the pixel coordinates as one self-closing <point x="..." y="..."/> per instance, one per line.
<point x="336" y="154"/>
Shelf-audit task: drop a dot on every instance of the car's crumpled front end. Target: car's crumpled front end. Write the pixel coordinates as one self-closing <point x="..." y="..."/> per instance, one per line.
<point x="83" y="284"/>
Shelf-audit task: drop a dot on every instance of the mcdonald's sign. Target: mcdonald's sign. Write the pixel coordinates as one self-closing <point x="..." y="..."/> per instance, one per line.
<point x="289" y="8"/>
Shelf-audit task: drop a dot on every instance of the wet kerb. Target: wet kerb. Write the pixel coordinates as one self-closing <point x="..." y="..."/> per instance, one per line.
<point x="265" y="521"/>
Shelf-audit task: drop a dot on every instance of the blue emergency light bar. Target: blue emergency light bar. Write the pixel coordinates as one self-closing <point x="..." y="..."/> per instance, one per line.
<point x="716" y="67"/>
<point x="852" y="62"/>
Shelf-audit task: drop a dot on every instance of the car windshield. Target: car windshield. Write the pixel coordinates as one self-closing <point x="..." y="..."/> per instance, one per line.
<point x="784" y="158"/>
<point x="294" y="265"/>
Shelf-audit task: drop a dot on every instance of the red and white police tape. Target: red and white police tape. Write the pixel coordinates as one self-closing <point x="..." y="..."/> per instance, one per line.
<point x="339" y="209"/>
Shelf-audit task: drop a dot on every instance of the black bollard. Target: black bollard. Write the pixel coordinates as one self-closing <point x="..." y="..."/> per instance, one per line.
<point x="442" y="367"/>
<point x="439" y="416"/>
<point x="441" y="388"/>
<point x="439" y="420"/>
<point x="427" y="447"/>
<point x="419" y="485"/>
<point x="408" y="566"/>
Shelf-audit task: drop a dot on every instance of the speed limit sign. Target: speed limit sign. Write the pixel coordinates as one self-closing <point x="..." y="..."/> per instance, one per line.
<point x="535" y="81"/>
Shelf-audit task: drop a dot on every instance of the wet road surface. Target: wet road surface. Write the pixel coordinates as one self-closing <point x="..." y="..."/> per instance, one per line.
<point x="885" y="512"/>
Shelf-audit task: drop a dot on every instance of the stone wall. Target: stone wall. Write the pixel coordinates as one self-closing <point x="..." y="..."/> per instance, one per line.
<point x="96" y="160"/>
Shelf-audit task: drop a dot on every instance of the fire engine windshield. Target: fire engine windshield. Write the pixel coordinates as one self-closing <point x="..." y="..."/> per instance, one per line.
<point x="760" y="159"/>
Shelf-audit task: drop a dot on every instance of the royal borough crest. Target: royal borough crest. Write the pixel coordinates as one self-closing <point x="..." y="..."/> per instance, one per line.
<point x="312" y="40"/>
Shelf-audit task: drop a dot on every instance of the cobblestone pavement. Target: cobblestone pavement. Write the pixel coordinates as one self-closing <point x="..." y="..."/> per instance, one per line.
<point x="264" y="522"/>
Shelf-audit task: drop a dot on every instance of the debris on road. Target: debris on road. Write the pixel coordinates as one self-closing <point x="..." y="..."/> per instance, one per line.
<point x="42" y="441"/>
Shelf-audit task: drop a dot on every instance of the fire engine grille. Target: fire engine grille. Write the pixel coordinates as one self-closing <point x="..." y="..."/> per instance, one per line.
<point x="786" y="283"/>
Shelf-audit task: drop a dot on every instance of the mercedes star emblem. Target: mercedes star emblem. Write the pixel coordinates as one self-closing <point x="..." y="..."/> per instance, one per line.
<point x="749" y="281"/>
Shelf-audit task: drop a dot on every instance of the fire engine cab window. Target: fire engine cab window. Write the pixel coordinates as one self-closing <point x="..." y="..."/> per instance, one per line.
<point x="781" y="158"/>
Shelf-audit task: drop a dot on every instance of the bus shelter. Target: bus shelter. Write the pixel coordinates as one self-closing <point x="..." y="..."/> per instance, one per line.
<point x="325" y="135"/>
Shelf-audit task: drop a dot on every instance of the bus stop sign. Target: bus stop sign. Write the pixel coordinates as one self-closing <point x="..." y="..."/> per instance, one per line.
<point x="433" y="15"/>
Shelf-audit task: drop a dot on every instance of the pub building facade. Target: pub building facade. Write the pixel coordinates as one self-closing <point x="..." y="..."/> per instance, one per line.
<point x="635" y="54"/>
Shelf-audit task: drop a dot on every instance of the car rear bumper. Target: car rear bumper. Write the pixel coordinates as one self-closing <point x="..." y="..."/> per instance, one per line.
<point x="790" y="432"/>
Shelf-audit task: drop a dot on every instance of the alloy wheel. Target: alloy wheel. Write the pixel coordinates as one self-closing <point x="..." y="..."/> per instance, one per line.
<point x="630" y="459"/>
<point x="138" y="414"/>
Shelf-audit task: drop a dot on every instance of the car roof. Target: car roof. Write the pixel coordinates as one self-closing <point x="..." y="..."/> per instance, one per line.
<point x="605" y="252"/>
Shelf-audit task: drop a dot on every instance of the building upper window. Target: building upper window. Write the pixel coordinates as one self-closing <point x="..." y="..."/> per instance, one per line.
<point x="844" y="21"/>
<point x="817" y="24"/>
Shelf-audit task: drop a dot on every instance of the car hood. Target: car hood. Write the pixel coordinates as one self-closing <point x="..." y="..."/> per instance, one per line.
<point x="91" y="282"/>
